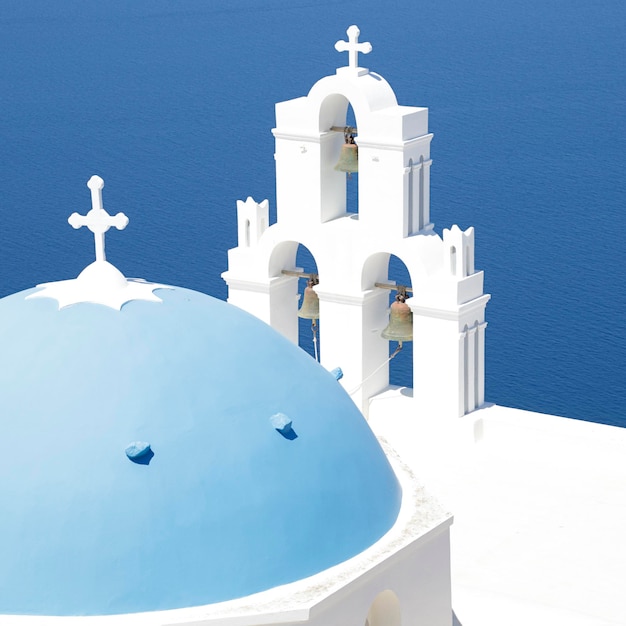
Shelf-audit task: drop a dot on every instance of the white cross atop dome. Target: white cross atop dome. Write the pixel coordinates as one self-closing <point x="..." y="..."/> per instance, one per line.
<point x="98" y="221"/>
<point x="100" y="282"/>
<point x="353" y="47"/>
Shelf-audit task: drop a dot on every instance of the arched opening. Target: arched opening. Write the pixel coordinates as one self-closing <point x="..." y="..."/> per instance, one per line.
<point x="352" y="179"/>
<point x="340" y="179"/>
<point x="385" y="268"/>
<point x="291" y="261"/>
<point x="308" y="329"/>
<point x="401" y="366"/>
<point x="385" y="610"/>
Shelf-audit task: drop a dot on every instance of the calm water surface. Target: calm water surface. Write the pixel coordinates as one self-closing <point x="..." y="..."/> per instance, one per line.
<point x="172" y="103"/>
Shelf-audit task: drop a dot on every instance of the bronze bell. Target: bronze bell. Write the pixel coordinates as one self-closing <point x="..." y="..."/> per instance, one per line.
<point x="310" y="309"/>
<point x="349" y="157"/>
<point x="400" y="327"/>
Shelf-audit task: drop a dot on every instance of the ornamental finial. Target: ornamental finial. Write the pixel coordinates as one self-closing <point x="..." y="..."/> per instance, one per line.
<point x="98" y="221"/>
<point x="353" y="47"/>
<point x="100" y="282"/>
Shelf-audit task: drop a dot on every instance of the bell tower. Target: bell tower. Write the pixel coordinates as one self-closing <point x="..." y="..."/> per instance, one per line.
<point x="393" y="151"/>
<point x="352" y="250"/>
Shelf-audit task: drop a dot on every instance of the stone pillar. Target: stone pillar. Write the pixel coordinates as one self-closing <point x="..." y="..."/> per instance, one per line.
<point x="448" y="358"/>
<point x="350" y="327"/>
<point x="274" y="300"/>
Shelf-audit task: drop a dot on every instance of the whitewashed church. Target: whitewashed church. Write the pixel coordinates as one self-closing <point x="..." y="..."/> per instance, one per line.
<point x="143" y="484"/>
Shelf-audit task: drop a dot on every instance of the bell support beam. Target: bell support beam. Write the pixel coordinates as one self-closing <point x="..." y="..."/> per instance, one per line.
<point x="310" y="275"/>
<point x="393" y="287"/>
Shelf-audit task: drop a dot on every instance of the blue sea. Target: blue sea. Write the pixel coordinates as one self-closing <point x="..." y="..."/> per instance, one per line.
<point x="172" y="103"/>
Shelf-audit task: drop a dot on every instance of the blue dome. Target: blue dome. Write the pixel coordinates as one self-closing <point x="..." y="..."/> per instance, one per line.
<point x="226" y="507"/>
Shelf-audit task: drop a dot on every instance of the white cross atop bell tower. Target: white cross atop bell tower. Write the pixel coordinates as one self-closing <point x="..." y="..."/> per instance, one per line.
<point x="352" y="245"/>
<point x="353" y="47"/>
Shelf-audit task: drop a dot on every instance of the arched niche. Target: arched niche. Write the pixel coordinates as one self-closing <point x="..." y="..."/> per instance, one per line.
<point x="377" y="269"/>
<point x="336" y="111"/>
<point x="384" y="610"/>
<point x="289" y="255"/>
<point x="333" y="111"/>
<point x="307" y="336"/>
<point x="385" y="267"/>
<point x="283" y="257"/>
<point x="367" y="94"/>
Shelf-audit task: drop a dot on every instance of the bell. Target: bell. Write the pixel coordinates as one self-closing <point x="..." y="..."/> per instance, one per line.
<point x="310" y="309"/>
<point x="400" y="327"/>
<point x="349" y="157"/>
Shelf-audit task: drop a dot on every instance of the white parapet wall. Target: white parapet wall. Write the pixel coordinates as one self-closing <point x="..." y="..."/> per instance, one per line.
<point x="405" y="575"/>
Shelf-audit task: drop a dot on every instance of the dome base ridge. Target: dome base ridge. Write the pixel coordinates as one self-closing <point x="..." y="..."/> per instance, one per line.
<point x="99" y="283"/>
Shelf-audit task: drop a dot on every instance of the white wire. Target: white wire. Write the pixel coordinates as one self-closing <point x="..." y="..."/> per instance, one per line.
<point x="376" y="370"/>
<point x="317" y="356"/>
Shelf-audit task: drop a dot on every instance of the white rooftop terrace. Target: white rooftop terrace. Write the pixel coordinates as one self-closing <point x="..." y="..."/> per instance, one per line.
<point x="539" y="506"/>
